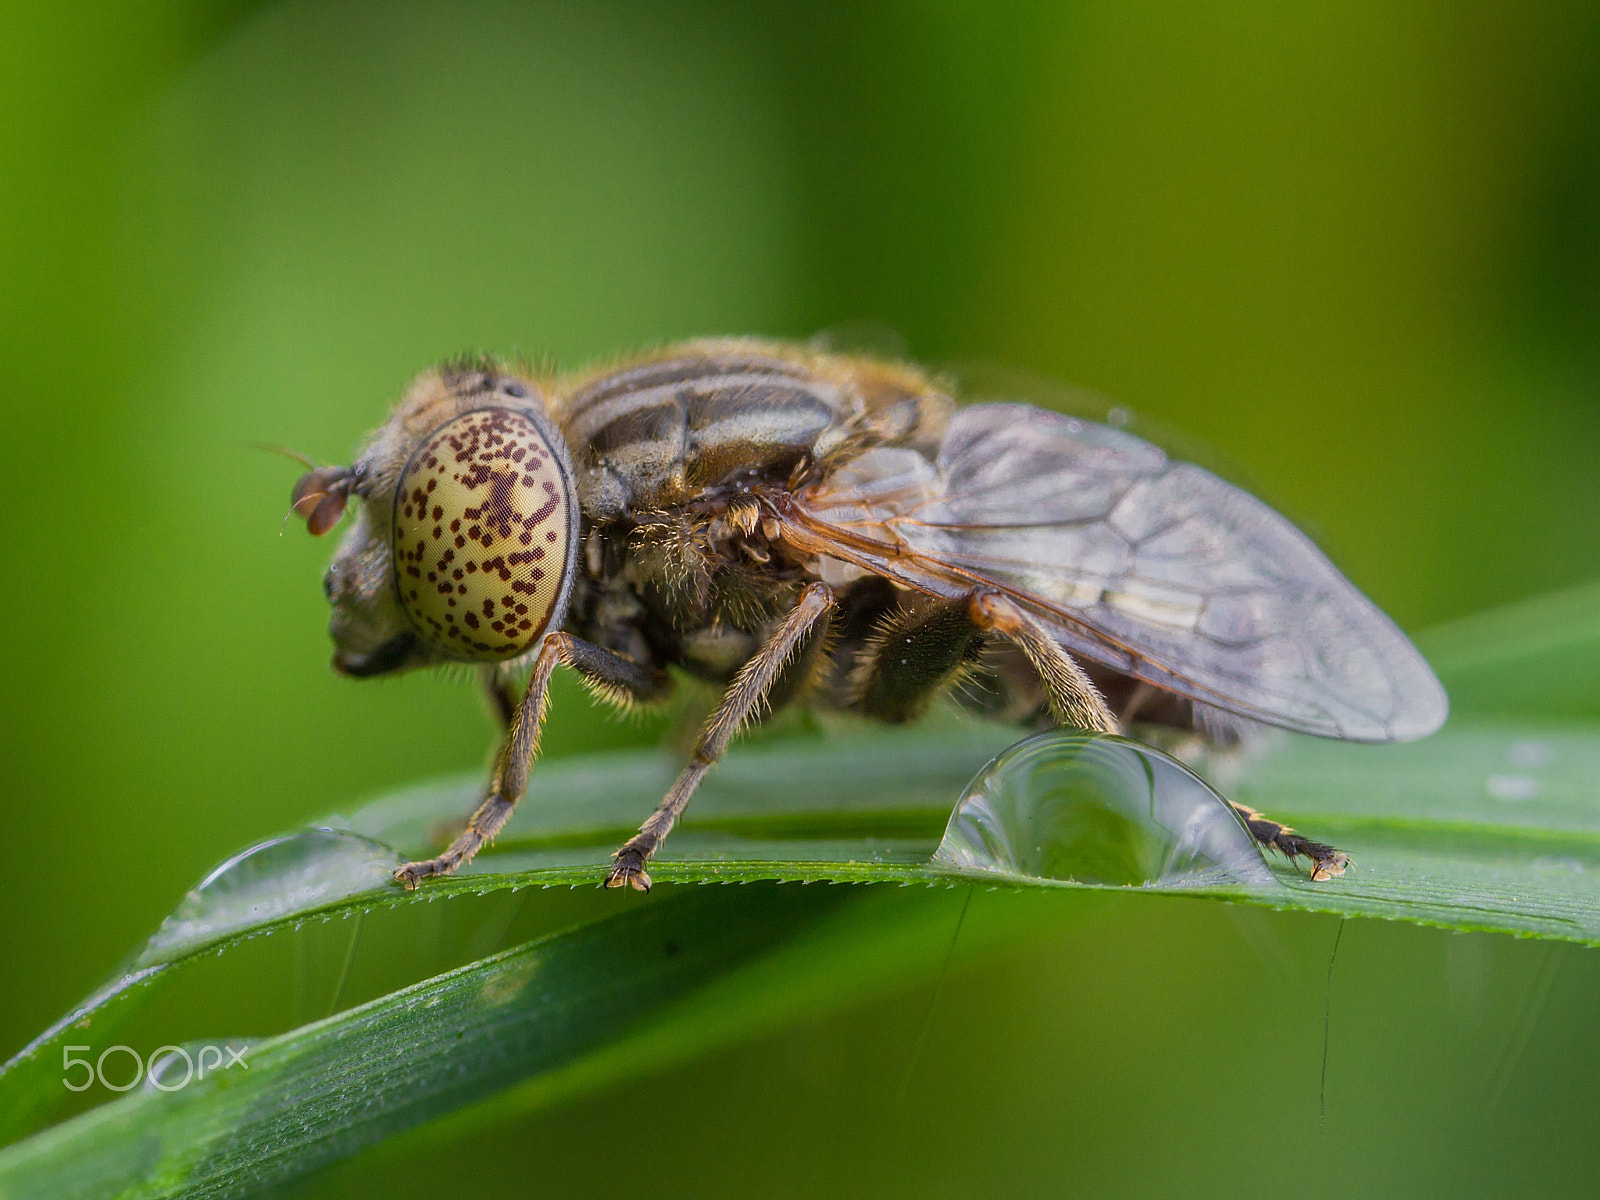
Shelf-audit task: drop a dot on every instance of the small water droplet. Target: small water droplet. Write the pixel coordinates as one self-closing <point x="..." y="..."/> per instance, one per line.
<point x="1102" y="810"/>
<point x="1555" y="862"/>
<point x="271" y="880"/>
<point x="1530" y="756"/>
<point x="1512" y="787"/>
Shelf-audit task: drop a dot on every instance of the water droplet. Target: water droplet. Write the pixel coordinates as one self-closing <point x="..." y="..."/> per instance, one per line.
<point x="277" y="878"/>
<point x="1102" y="810"/>
<point x="1530" y="756"/>
<point x="1512" y="787"/>
<point x="1556" y="862"/>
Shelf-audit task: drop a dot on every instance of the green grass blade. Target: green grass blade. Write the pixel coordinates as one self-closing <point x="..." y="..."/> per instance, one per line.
<point x="1493" y="824"/>
<point x="325" y="1090"/>
<point x="1484" y="827"/>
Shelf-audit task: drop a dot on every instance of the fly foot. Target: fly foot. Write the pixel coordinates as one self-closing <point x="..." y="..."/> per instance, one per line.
<point x="628" y="869"/>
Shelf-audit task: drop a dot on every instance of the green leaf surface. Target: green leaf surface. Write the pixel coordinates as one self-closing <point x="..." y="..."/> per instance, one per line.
<point x="1539" y="657"/>
<point x="1490" y="825"/>
<point x="565" y="1014"/>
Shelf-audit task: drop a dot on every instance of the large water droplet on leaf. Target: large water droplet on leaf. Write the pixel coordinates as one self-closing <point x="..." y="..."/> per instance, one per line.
<point x="1101" y="810"/>
<point x="277" y="878"/>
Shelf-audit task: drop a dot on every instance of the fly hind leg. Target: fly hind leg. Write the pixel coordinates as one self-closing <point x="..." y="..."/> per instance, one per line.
<point x="1075" y="700"/>
<point x="917" y="651"/>
<point x="924" y="647"/>
<point x="1326" y="862"/>
<point x="745" y="695"/>
<point x="1072" y="696"/>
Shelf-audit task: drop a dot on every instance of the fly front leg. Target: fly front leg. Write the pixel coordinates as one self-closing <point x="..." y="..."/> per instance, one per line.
<point x="501" y="694"/>
<point x="608" y="675"/>
<point x="744" y="696"/>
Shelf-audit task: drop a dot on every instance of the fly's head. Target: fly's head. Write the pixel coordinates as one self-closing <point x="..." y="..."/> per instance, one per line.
<point x="466" y="528"/>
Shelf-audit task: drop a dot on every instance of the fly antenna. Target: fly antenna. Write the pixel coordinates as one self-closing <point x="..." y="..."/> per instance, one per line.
<point x="305" y="460"/>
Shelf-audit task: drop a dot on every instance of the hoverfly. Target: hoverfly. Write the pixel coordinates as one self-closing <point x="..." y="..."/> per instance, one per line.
<point x="799" y="526"/>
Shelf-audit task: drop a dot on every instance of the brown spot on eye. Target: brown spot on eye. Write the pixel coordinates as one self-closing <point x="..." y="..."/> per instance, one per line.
<point x="550" y="535"/>
<point x="438" y="511"/>
<point x="471" y="619"/>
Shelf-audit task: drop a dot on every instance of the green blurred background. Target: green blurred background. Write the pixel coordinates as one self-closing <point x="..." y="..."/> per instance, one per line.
<point x="1354" y="247"/>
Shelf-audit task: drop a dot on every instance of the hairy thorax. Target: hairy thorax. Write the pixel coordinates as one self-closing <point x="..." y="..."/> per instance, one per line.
<point x="697" y="586"/>
<point x="670" y="455"/>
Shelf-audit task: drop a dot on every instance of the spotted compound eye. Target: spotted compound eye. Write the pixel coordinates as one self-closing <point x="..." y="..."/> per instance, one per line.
<point x="483" y="532"/>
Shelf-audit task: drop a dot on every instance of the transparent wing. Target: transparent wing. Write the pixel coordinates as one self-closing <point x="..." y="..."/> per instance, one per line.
<point x="1155" y="568"/>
